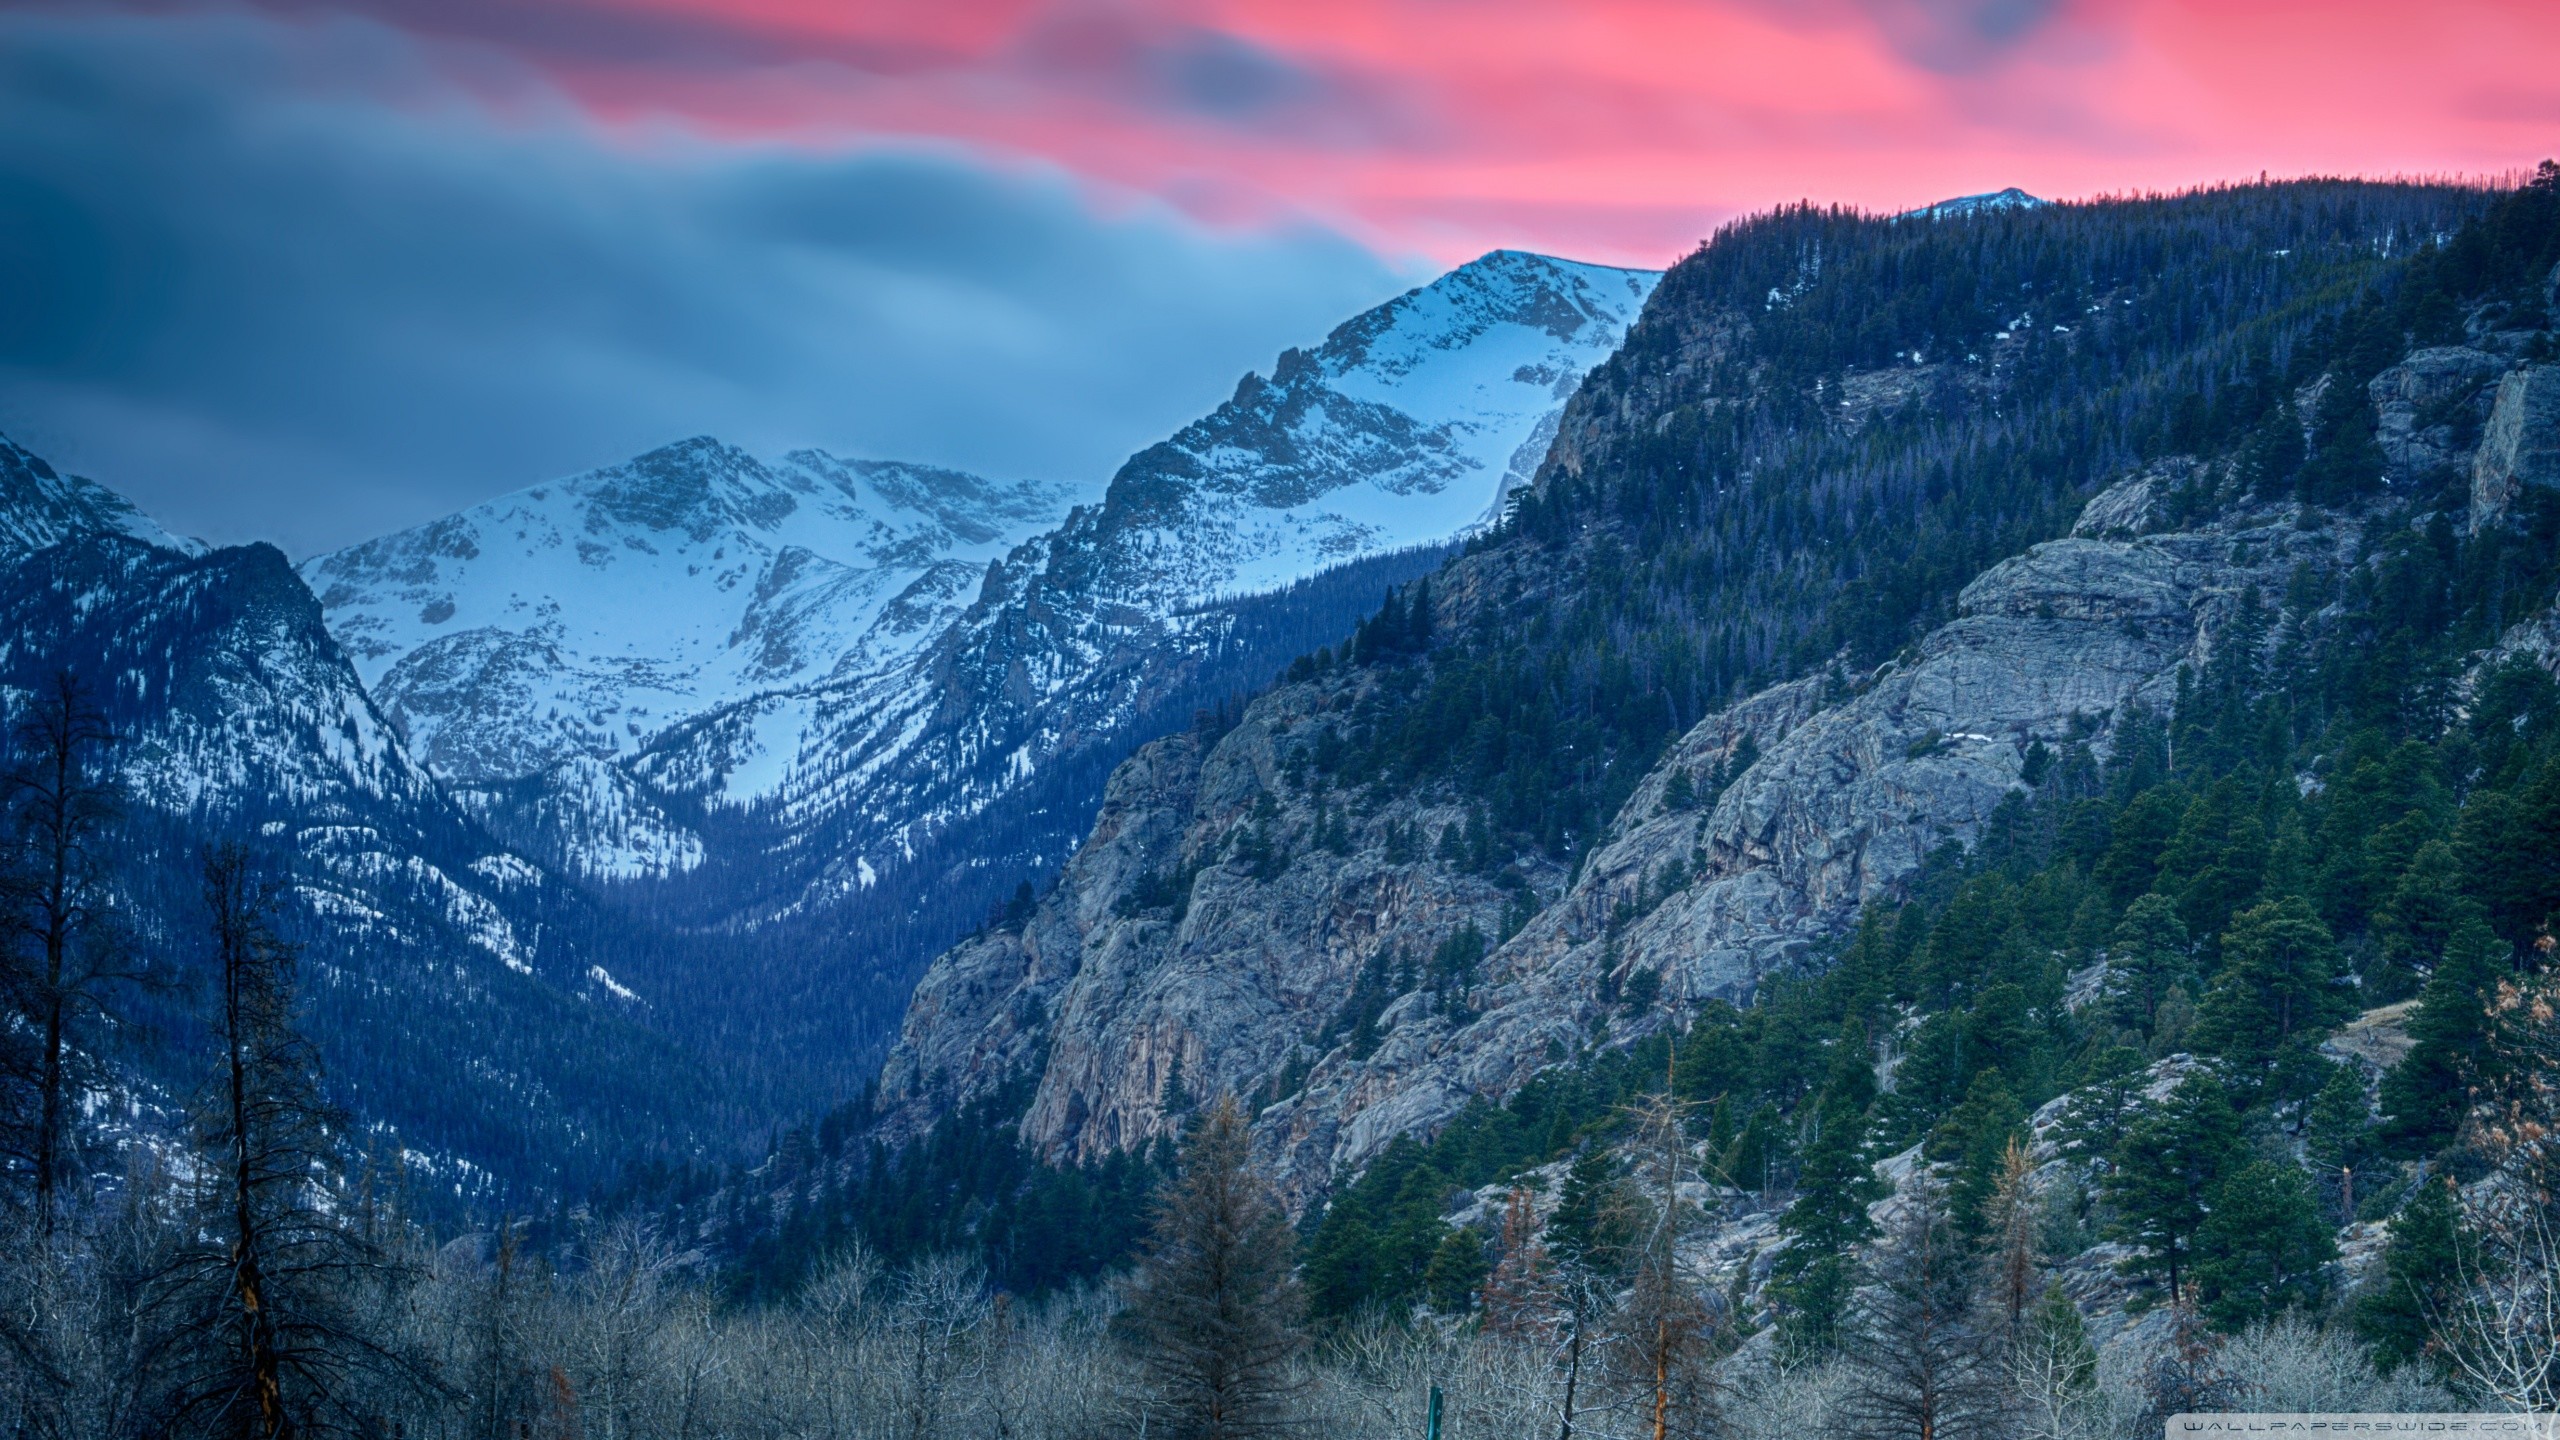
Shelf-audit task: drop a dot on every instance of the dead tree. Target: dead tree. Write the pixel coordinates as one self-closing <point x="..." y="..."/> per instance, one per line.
<point x="65" y="953"/>
<point x="258" y="1323"/>
<point x="1668" y="1318"/>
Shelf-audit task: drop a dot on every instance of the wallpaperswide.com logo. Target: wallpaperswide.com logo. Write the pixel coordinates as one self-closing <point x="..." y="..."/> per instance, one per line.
<point x="2349" y="1423"/>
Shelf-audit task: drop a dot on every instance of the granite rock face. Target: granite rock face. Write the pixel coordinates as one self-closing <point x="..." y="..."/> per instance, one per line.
<point x="2520" y="446"/>
<point x="2426" y="405"/>
<point x="1212" y="932"/>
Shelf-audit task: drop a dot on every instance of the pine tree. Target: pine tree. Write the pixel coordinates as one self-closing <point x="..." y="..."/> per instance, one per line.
<point x="1925" y="1362"/>
<point x="2095" y="1117"/>
<point x="2279" y="967"/>
<point x="2263" y="1248"/>
<point x="2421" y="1268"/>
<point x="1970" y="1145"/>
<point x="1835" y="1183"/>
<point x="2425" y="1095"/>
<point x="2147" y="956"/>
<point x="1583" y="1233"/>
<point x="1580" y="1230"/>
<point x="2165" y="1173"/>
<point x="1456" y="1270"/>
<point x="1213" y="1302"/>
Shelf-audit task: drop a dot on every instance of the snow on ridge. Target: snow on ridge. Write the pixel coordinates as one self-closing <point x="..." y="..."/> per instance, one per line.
<point x="753" y="632"/>
<point x="1991" y="202"/>
<point x="41" y="506"/>
<point x="583" y="617"/>
<point x="1407" y="427"/>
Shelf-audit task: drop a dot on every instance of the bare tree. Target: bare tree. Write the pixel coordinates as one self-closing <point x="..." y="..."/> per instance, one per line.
<point x="1668" y="1316"/>
<point x="629" y="1290"/>
<point x="942" y="1304"/>
<point x="2055" y="1370"/>
<point x="1519" y="1296"/>
<point x="1213" y="1301"/>
<point x="2500" y="1331"/>
<point x="256" y="1321"/>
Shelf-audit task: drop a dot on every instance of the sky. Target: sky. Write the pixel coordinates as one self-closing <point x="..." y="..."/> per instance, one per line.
<point x="314" y="270"/>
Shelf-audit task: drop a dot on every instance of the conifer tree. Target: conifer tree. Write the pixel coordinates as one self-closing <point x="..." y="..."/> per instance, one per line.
<point x="2147" y="956"/>
<point x="2165" y="1173"/>
<point x="2425" y="1095"/>
<point x="1925" y="1362"/>
<point x="1582" y="1234"/>
<point x="1835" y="1182"/>
<point x="2279" y="967"/>
<point x="1213" y="1303"/>
<point x="1970" y="1146"/>
<point x="1579" y="1229"/>
<point x="2338" y="1132"/>
<point x="2263" y="1247"/>
<point x="2421" y="1268"/>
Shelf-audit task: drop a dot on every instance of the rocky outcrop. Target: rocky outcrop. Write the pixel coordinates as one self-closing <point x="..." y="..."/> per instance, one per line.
<point x="1173" y="961"/>
<point x="2426" y="406"/>
<point x="2520" y="446"/>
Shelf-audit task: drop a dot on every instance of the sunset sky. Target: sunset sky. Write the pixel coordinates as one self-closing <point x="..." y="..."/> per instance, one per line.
<point x="311" y="270"/>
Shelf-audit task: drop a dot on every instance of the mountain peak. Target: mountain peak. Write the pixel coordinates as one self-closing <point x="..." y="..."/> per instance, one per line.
<point x="2012" y="198"/>
<point x="40" y="506"/>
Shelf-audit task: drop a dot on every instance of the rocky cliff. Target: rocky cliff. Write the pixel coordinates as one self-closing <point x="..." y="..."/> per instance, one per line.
<point x="1363" y="960"/>
<point x="1212" y="930"/>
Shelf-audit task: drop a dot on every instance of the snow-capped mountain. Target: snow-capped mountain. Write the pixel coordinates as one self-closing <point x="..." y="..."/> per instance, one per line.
<point x="612" y="668"/>
<point x="452" y="999"/>
<point x="2012" y="198"/>
<point x="1402" y="432"/>
<point x="550" y="633"/>
<point x="40" y="506"/>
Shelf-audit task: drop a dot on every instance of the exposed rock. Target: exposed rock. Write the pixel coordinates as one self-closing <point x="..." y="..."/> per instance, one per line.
<point x="1170" y="949"/>
<point x="2521" y="444"/>
<point x="2377" y="1038"/>
<point x="1856" y="782"/>
<point x="2132" y="505"/>
<point x="2426" y="405"/>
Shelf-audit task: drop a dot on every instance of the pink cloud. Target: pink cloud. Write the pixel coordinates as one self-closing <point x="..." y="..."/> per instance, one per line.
<point x="1615" y="129"/>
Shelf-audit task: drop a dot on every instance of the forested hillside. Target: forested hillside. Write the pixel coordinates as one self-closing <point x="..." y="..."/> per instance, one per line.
<point x="2313" y="804"/>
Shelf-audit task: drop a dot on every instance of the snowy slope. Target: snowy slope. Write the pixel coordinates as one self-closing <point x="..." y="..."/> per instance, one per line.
<point x="1405" y="428"/>
<point x="556" y="630"/>
<point x="456" y="1017"/>
<point x="786" y="672"/>
<point x="40" y="506"/>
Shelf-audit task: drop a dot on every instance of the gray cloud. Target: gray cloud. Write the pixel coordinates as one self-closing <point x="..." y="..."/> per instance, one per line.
<point x="309" y="281"/>
<point x="1955" y="36"/>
